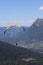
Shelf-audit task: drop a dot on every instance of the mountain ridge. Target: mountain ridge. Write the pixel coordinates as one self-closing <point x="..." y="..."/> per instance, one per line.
<point x="32" y="37"/>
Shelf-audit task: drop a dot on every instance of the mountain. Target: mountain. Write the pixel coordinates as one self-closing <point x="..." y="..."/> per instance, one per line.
<point x="37" y="30"/>
<point x="15" y="55"/>
<point x="32" y="37"/>
<point x="12" y="35"/>
<point x="34" y="33"/>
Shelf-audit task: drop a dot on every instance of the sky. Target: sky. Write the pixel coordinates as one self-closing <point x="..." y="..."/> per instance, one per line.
<point x="23" y="12"/>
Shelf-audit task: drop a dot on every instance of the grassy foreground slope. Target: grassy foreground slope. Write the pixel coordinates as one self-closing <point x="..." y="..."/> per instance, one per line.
<point x="15" y="55"/>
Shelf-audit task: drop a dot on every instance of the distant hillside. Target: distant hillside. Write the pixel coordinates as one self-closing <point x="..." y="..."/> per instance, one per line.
<point x="32" y="37"/>
<point x="10" y="54"/>
<point x="11" y="34"/>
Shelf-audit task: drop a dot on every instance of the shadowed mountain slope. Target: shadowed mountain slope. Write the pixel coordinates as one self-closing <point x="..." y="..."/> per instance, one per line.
<point x="10" y="53"/>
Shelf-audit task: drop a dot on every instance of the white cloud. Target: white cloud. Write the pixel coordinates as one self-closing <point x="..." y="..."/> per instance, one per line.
<point x="41" y="8"/>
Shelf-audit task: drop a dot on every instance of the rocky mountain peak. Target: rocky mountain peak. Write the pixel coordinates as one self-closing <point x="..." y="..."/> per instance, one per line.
<point x="38" y="22"/>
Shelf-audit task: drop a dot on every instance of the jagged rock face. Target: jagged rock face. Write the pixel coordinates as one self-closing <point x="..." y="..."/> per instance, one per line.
<point x="38" y="22"/>
<point x="36" y="30"/>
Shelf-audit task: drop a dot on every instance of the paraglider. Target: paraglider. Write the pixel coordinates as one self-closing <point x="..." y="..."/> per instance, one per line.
<point x="15" y="25"/>
<point x="16" y="44"/>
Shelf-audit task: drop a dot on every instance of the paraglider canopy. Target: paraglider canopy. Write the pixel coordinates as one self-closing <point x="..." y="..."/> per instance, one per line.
<point x="15" y="25"/>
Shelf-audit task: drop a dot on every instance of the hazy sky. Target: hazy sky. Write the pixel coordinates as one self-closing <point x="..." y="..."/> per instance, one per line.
<point x="24" y="12"/>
